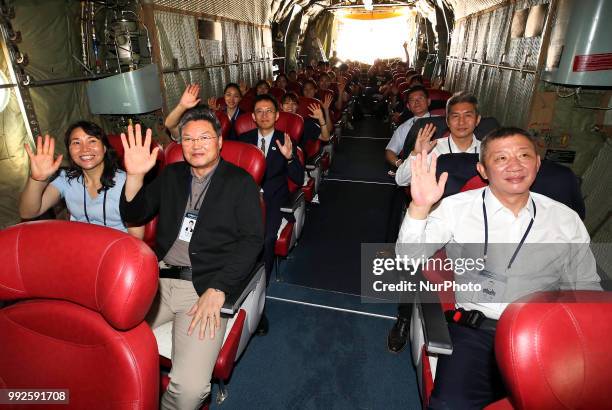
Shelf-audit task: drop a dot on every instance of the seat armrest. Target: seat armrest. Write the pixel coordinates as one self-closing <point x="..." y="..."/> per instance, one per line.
<point x="293" y="202"/>
<point x="234" y="301"/>
<point x="435" y="328"/>
<point x="313" y="162"/>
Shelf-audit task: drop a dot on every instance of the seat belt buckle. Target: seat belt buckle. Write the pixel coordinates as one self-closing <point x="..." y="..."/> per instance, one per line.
<point x="468" y="318"/>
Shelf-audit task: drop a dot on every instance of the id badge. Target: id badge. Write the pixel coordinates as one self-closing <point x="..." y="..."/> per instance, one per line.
<point x="187" y="226"/>
<point x="493" y="287"/>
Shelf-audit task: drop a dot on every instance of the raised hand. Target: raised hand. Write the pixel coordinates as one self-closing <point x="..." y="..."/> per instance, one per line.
<point x="316" y="112"/>
<point x="243" y="88"/>
<point x="287" y="148"/>
<point x="42" y="163"/>
<point x="190" y="97"/>
<point x="212" y="103"/>
<point x="138" y="158"/>
<point x="424" y="141"/>
<point x="424" y="188"/>
<point x="327" y="100"/>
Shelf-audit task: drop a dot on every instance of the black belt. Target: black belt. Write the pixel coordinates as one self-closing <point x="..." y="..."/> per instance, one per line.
<point x="176" y="272"/>
<point x="470" y="318"/>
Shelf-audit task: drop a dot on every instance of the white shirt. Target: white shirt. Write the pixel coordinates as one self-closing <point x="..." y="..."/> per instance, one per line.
<point x="396" y="144"/>
<point x="546" y="261"/>
<point x="267" y="138"/>
<point x="446" y="145"/>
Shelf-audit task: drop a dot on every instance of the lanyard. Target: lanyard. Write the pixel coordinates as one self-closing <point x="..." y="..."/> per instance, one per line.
<point x="450" y="150"/>
<point x="85" y="204"/>
<point x="200" y="197"/>
<point x="486" y="225"/>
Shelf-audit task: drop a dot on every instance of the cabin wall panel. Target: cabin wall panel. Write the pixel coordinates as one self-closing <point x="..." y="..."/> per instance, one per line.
<point x="484" y="37"/>
<point x="249" y="11"/>
<point x="237" y="53"/>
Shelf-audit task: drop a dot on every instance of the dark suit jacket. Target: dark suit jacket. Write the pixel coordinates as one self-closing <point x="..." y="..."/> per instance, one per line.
<point x="553" y="180"/>
<point x="228" y="235"/>
<point x="277" y="167"/>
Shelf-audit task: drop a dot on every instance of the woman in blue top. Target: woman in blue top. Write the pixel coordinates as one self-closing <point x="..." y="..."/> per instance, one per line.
<point x="91" y="185"/>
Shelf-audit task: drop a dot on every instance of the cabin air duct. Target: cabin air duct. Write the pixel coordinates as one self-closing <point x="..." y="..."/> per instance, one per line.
<point x="580" y="52"/>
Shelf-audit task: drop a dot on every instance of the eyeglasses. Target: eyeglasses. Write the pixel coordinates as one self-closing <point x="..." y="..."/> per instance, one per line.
<point x="205" y="139"/>
<point x="261" y="113"/>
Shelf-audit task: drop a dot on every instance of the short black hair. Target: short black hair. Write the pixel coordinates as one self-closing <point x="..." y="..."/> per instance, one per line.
<point x="414" y="89"/>
<point x="290" y="96"/>
<point x="461" y="97"/>
<point x="262" y="82"/>
<point x="309" y="81"/>
<point x="504" y="132"/>
<point x="266" y="97"/>
<point x="199" y="114"/>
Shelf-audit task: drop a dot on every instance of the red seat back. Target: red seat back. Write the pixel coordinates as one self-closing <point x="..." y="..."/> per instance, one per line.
<point x="246" y="156"/>
<point x="247" y="103"/>
<point x="277" y="93"/>
<point x="474" y="183"/>
<point x="88" y="289"/>
<point x="292" y="124"/>
<point x="244" y="123"/>
<point x="295" y="87"/>
<point x="402" y="87"/>
<point x="303" y="104"/>
<point x="226" y="124"/>
<point x="438" y="111"/>
<point x="554" y="350"/>
<point x="438" y="95"/>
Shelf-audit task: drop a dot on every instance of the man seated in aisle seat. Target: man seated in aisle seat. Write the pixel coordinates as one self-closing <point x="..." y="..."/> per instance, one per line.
<point x="462" y="118"/>
<point x="417" y="101"/>
<point x="406" y="114"/>
<point x="315" y="126"/>
<point x="505" y="212"/>
<point x="209" y="237"/>
<point x="281" y="163"/>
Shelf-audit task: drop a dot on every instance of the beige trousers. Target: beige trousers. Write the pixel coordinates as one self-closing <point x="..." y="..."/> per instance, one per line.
<point x="193" y="360"/>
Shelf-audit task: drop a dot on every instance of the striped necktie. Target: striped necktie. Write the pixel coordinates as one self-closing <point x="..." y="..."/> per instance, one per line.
<point x="262" y="145"/>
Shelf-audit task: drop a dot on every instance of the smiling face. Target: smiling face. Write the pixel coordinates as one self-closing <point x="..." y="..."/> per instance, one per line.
<point x="201" y="145"/>
<point x="86" y="151"/>
<point x="418" y="103"/>
<point x="462" y="119"/>
<point x="232" y="97"/>
<point x="510" y="164"/>
<point x="265" y="115"/>
<point x="290" y="105"/>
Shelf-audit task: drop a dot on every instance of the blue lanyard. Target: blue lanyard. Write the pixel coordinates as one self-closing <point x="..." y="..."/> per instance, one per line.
<point x="486" y="226"/>
<point x="85" y="204"/>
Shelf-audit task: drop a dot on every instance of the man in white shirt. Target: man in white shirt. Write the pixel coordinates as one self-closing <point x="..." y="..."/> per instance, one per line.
<point x="418" y="103"/>
<point x="462" y="118"/>
<point x="504" y="212"/>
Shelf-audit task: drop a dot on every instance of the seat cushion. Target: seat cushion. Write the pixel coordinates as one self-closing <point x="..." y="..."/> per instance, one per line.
<point x="72" y="347"/>
<point x="283" y="242"/>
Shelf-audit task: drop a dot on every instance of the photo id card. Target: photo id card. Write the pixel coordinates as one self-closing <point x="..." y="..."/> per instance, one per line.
<point x="493" y="287"/>
<point x="187" y="226"/>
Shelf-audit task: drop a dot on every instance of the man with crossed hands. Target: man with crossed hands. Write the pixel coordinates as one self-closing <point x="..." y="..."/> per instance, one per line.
<point x="504" y="212"/>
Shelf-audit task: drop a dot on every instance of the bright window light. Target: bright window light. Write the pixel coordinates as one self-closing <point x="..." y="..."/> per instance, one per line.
<point x="367" y="40"/>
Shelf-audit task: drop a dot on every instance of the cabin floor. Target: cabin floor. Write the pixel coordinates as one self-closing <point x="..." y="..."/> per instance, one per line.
<point x="327" y="348"/>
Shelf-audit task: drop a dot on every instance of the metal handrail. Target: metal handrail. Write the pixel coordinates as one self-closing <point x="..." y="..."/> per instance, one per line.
<point x="202" y="67"/>
<point x="499" y="66"/>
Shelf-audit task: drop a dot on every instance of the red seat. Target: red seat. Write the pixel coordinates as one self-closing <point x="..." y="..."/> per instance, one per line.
<point x="403" y="87"/>
<point x="438" y="95"/>
<point x="438" y="111"/>
<point x="226" y="124"/>
<point x="295" y="87"/>
<point x="553" y="351"/>
<point x="82" y="292"/>
<point x="244" y="123"/>
<point x="303" y="104"/>
<point x="277" y="93"/>
<point x="246" y="103"/>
